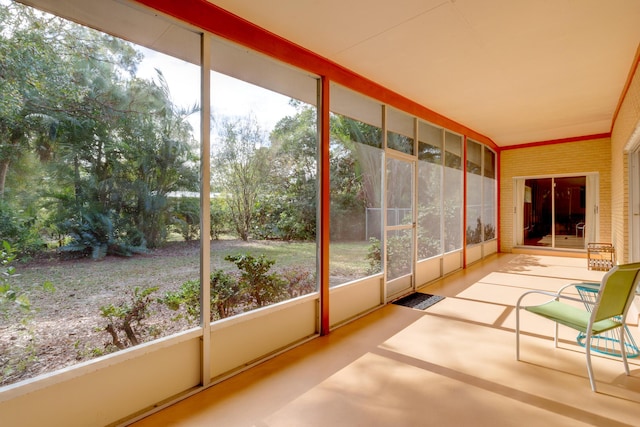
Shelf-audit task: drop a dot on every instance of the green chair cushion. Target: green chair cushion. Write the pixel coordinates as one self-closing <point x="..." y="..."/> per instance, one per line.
<point x="571" y="316"/>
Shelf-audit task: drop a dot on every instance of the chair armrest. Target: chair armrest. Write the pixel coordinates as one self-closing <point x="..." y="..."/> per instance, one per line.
<point x="555" y="295"/>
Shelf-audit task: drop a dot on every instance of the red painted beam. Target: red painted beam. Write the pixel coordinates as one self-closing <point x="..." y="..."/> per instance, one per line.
<point x="220" y="22"/>
<point x="325" y="204"/>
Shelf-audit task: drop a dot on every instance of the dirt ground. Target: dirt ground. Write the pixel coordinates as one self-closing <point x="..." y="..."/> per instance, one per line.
<point x="65" y="325"/>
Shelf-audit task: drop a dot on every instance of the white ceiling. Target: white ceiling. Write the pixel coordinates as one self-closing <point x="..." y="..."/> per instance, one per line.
<point x="516" y="71"/>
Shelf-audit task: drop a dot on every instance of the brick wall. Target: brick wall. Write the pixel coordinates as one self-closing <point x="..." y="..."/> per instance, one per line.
<point x="578" y="158"/>
<point x="626" y="122"/>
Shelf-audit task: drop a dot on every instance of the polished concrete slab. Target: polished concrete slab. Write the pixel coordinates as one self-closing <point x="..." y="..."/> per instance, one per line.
<point x="452" y="364"/>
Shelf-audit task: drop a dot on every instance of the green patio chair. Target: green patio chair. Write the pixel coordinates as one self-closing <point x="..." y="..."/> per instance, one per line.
<point x="614" y="296"/>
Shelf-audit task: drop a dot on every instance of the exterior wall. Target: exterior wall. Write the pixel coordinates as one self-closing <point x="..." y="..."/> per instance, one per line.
<point x="626" y="121"/>
<point x="553" y="159"/>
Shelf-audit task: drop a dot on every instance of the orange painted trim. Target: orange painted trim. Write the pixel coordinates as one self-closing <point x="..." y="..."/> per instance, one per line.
<point x="325" y="204"/>
<point x="632" y="72"/>
<point x="464" y="203"/>
<point x="212" y="18"/>
<point x="558" y="141"/>
<point x="498" y="216"/>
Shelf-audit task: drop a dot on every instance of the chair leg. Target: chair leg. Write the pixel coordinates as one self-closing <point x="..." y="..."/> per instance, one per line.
<point x="588" y="355"/>
<point x="517" y="333"/>
<point x="623" y="350"/>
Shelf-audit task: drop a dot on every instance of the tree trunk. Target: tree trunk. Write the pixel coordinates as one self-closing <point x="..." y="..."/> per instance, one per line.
<point x="130" y="334"/>
<point x="114" y="336"/>
<point x="4" y="169"/>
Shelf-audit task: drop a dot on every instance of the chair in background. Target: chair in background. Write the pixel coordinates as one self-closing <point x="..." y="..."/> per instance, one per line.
<point x="614" y="296"/>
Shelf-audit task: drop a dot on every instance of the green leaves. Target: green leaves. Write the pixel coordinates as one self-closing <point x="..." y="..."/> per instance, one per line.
<point x="125" y="318"/>
<point x="113" y="144"/>
<point x="9" y="295"/>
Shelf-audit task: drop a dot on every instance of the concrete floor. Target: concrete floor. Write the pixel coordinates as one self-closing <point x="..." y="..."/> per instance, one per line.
<point x="452" y="364"/>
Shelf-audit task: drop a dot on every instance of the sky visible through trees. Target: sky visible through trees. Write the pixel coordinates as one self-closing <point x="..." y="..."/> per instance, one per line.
<point x="240" y="98"/>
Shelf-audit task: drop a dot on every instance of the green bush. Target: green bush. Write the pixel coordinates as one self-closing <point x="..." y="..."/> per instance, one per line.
<point x="225" y="297"/>
<point x="262" y="288"/>
<point x="124" y="319"/>
<point x="95" y="235"/>
<point x="220" y="218"/>
<point x="374" y="255"/>
<point x="185" y="217"/>
<point x="8" y="295"/>
<point x="255" y="287"/>
<point x="19" y="230"/>
<point x="299" y="282"/>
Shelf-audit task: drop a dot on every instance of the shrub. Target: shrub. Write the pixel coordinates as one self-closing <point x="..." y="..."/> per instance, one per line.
<point x="374" y="255"/>
<point x="185" y="217"/>
<point x="225" y="296"/>
<point x="300" y="282"/>
<point x="220" y="218"/>
<point x="255" y="287"/>
<point x="8" y="295"/>
<point x="262" y="288"/>
<point x="95" y="235"/>
<point x="19" y="230"/>
<point x="125" y="319"/>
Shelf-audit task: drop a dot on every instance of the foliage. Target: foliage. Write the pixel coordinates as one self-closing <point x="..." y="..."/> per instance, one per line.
<point x="261" y="288"/>
<point x="225" y="296"/>
<point x="396" y="249"/>
<point x="270" y="185"/>
<point x="300" y="282"/>
<point x="288" y="211"/>
<point x="9" y="295"/>
<point x="428" y="231"/>
<point x="355" y="168"/>
<point x="475" y="235"/>
<point x="188" y="295"/>
<point x="185" y="214"/>
<point x="279" y="217"/>
<point x="255" y="288"/>
<point x="220" y="218"/>
<point x="96" y="236"/>
<point x="18" y="228"/>
<point x="489" y="232"/>
<point x="398" y="255"/>
<point x="125" y="318"/>
<point x="16" y="306"/>
<point x="374" y="255"/>
<point x="240" y="167"/>
<point x="94" y="145"/>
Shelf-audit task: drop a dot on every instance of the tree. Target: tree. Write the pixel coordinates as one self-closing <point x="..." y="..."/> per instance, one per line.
<point x="293" y="183"/>
<point x="240" y="167"/>
<point x="29" y="66"/>
<point x="111" y="146"/>
<point x="356" y="168"/>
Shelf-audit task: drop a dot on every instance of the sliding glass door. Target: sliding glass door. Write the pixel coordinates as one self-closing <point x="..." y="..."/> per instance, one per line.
<point x="556" y="212"/>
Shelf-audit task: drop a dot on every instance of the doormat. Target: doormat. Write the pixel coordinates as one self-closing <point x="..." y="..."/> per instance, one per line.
<point x="419" y="301"/>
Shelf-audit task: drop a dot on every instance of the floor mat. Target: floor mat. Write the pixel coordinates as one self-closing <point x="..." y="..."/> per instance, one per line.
<point x="419" y="301"/>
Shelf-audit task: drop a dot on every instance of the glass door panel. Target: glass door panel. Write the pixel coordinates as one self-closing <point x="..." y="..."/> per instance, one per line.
<point x="537" y="212"/>
<point x="554" y="212"/>
<point x="399" y="226"/>
<point x="569" y="208"/>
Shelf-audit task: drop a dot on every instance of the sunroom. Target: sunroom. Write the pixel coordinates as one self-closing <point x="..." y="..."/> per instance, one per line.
<point x="341" y="155"/>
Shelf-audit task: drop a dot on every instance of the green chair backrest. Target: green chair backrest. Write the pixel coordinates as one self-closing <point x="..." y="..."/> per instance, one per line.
<point x="618" y="288"/>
